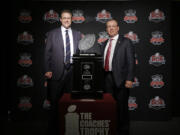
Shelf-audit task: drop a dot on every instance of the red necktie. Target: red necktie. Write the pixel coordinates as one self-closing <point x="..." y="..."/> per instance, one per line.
<point x="106" y="67"/>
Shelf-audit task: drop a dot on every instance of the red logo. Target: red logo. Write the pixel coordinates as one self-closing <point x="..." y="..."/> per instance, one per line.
<point x="51" y="16"/>
<point x="157" y="103"/>
<point x="25" y="38"/>
<point x="132" y="36"/>
<point x="157" y="59"/>
<point x="157" y="81"/>
<point x="103" y="36"/>
<point x="132" y="103"/>
<point x="130" y="16"/>
<point x="156" y="16"/>
<point x="25" y="104"/>
<point x="25" y="81"/>
<point x="157" y="38"/>
<point x="78" y="16"/>
<point x="25" y="17"/>
<point x="25" y="60"/>
<point x="103" y="16"/>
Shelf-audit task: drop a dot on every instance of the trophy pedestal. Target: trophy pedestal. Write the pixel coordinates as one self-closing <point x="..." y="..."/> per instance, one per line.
<point x="87" y="111"/>
<point x="87" y="76"/>
<point x="86" y="95"/>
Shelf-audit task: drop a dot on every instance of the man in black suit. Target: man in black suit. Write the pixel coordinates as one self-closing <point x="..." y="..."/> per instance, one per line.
<point x="119" y="64"/>
<point x="61" y="44"/>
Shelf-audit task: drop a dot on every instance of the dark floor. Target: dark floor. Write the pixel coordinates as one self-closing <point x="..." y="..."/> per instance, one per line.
<point x="171" y="127"/>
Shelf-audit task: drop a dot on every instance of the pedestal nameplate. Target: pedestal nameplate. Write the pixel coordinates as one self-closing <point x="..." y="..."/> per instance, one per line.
<point x="88" y="76"/>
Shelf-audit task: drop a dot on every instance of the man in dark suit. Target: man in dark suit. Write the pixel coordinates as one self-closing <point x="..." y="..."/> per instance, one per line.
<point x="119" y="64"/>
<point x="61" y="44"/>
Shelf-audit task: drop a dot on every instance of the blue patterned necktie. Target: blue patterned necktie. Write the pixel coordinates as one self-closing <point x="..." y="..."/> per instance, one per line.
<point x="68" y="51"/>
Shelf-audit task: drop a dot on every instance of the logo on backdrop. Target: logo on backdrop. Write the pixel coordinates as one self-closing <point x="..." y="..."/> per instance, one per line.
<point x="157" y="81"/>
<point x="157" y="103"/>
<point x="25" y="104"/>
<point x="136" y="59"/>
<point x="77" y="16"/>
<point x="51" y="16"/>
<point x="132" y="103"/>
<point x="157" y="38"/>
<point x="46" y="104"/>
<point x="157" y="59"/>
<point x="156" y="16"/>
<point x="130" y="16"/>
<point x="25" y="38"/>
<point x="25" y="81"/>
<point x="132" y="36"/>
<point x="135" y="82"/>
<point x="103" y="36"/>
<point x="25" y="60"/>
<point x="25" y="17"/>
<point x="83" y="123"/>
<point x="103" y="16"/>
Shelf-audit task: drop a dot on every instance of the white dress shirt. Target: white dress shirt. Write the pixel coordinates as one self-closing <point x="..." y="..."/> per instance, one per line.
<point x="63" y="30"/>
<point x="114" y="41"/>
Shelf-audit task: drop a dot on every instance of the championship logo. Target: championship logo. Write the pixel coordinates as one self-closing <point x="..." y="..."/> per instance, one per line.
<point x="157" y="81"/>
<point x="130" y="16"/>
<point x="157" y="38"/>
<point x="25" y="17"/>
<point x="103" y="36"/>
<point x="132" y="103"/>
<point x="25" y="38"/>
<point x="25" y="60"/>
<point x="25" y="104"/>
<point x="84" y="123"/>
<point x="157" y="103"/>
<point x="135" y="82"/>
<point x="51" y="16"/>
<point x="157" y="59"/>
<point x="156" y="16"/>
<point x="103" y="16"/>
<point x="77" y="16"/>
<point x="25" y="81"/>
<point x="46" y="104"/>
<point x="132" y="36"/>
<point x="136" y="59"/>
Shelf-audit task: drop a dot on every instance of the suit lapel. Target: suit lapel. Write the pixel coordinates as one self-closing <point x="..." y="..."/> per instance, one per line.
<point x="60" y="39"/>
<point x="118" y="44"/>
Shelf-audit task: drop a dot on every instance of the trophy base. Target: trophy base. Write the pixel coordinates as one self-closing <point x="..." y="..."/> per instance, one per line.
<point x="86" y="95"/>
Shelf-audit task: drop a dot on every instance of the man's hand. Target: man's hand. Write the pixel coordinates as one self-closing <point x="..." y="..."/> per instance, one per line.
<point x="128" y="84"/>
<point x="48" y="75"/>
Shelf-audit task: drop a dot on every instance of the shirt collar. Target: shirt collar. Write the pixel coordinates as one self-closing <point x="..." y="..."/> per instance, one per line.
<point x="64" y="29"/>
<point x="115" y="37"/>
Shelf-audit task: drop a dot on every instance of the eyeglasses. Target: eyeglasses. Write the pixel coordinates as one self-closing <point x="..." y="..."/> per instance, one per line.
<point x="66" y="18"/>
<point x="113" y="26"/>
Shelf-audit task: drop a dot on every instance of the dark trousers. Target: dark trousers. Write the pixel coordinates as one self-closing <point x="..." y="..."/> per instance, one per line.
<point x="121" y="96"/>
<point x="56" y="89"/>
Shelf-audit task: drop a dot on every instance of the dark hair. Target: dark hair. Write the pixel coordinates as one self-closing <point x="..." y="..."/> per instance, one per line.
<point x="66" y="11"/>
<point x="113" y="19"/>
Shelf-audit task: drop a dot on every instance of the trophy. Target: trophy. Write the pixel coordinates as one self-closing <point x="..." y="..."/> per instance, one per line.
<point x="88" y="70"/>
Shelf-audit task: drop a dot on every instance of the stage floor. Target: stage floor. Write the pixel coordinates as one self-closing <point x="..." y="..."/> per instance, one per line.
<point x="171" y="127"/>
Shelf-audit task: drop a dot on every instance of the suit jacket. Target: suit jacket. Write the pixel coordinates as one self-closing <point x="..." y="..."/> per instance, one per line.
<point x="54" y="52"/>
<point x="123" y="63"/>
